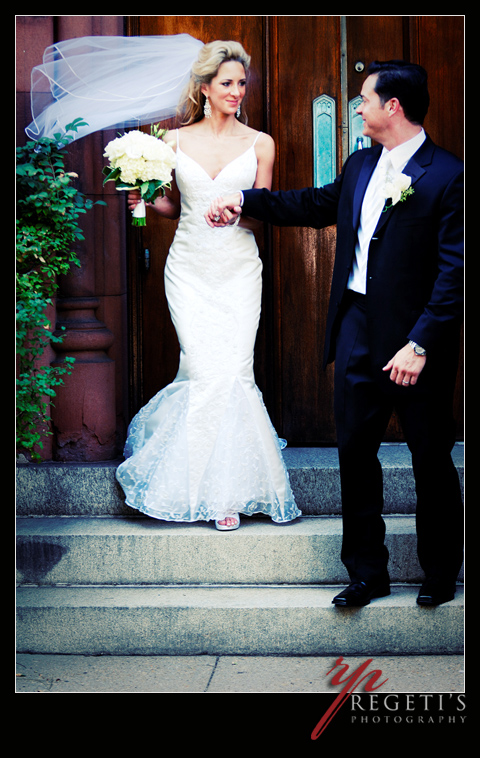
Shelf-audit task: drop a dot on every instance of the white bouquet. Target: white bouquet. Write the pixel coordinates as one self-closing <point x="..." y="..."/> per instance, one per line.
<point x="140" y="161"/>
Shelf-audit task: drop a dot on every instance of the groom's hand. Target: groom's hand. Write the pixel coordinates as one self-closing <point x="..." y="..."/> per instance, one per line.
<point x="224" y="210"/>
<point x="405" y="367"/>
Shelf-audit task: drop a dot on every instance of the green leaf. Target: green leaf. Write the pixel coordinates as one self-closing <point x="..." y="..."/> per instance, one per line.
<point x="48" y="211"/>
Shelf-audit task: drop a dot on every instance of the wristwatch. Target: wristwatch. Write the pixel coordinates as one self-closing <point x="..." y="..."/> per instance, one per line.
<point x="416" y="348"/>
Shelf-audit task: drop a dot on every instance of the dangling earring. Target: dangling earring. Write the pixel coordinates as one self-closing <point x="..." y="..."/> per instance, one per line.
<point x="239" y="110"/>
<point x="207" y="108"/>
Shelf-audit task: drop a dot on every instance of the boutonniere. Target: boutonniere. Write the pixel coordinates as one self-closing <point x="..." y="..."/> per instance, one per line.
<point x="398" y="190"/>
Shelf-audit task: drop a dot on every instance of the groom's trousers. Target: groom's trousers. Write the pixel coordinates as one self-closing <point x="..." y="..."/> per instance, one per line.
<point x="363" y="408"/>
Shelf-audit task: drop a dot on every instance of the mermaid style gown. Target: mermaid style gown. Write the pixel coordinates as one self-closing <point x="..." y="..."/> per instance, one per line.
<point x="204" y="446"/>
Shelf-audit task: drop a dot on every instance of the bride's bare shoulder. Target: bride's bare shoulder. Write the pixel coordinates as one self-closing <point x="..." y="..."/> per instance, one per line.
<point x="171" y="136"/>
<point x="264" y="145"/>
<point x="186" y="134"/>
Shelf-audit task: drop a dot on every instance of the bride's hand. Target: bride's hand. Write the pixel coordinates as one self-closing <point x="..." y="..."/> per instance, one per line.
<point x="133" y="198"/>
<point x="224" y="211"/>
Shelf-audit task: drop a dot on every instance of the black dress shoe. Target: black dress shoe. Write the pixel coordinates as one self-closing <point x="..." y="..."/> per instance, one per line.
<point x="360" y="593"/>
<point x="433" y="592"/>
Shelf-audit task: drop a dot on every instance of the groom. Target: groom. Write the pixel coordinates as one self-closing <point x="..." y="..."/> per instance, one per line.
<point x="393" y="323"/>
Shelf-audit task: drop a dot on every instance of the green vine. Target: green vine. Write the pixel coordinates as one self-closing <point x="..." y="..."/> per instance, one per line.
<point x="48" y="211"/>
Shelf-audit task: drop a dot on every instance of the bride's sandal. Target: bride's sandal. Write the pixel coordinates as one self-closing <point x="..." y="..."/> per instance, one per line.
<point x="232" y="517"/>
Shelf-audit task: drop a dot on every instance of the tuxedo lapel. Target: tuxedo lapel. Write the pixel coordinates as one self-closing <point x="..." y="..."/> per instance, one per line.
<point x="415" y="169"/>
<point x="362" y="183"/>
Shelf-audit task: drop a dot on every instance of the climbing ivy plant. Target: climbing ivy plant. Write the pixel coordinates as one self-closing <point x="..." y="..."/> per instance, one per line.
<point x="48" y="211"/>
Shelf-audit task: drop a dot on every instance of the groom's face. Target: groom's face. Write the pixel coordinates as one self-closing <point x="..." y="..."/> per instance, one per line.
<point x="374" y="114"/>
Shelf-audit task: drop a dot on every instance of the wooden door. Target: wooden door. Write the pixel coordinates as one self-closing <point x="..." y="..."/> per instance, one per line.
<point x="295" y="59"/>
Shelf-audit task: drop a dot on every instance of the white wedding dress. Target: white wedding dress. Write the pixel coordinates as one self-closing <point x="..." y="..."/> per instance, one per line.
<point x="204" y="446"/>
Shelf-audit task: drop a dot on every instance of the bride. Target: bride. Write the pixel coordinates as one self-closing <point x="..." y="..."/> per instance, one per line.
<point x="204" y="448"/>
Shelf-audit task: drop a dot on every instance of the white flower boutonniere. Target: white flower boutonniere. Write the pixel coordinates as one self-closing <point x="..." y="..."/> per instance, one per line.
<point x="398" y="190"/>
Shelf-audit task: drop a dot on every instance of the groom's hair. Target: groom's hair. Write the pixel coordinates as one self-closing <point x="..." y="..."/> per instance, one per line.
<point x="405" y="81"/>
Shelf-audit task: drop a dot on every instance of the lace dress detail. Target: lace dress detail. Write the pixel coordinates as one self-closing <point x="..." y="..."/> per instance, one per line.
<point x="204" y="446"/>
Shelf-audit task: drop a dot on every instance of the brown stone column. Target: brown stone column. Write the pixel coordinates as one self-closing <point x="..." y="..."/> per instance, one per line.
<point x="83" y="413"/>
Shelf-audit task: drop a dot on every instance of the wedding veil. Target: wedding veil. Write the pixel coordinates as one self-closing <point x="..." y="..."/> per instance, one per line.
<point x="109" y="82"/>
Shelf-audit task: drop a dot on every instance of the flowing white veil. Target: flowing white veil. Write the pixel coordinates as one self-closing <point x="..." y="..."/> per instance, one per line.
<point x="109" y="82"/>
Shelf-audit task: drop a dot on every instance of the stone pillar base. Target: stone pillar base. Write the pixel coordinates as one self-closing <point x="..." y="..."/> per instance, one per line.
<point x="83" y="412"/>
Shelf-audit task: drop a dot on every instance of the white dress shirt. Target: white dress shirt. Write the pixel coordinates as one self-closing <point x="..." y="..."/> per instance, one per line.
<point x="399" y="158"/>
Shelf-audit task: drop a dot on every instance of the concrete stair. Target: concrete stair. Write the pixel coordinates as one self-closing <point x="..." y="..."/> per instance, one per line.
<point x="95" y="577"/>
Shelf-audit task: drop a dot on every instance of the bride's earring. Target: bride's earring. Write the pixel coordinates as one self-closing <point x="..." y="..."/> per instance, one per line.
<point x="207" y="109"/>
<point x="239" y="110"/>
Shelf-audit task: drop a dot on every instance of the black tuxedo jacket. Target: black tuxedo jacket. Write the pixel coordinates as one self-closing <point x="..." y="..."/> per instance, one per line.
<point x="415" y="262"/>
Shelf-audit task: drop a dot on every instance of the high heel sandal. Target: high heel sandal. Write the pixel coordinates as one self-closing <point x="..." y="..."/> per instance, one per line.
<point x="228" y="527"/>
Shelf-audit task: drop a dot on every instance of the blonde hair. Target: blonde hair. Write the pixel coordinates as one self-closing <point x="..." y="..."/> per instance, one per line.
<point x="205" y="68"/>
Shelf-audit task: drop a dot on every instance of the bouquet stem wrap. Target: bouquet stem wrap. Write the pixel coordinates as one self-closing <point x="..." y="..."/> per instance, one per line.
<point x="139" y="214"/>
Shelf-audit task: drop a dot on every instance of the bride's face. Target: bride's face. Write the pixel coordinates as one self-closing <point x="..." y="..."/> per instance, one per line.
<point x="227" y="89"/>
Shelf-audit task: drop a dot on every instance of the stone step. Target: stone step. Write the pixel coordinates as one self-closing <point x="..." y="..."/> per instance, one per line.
<point x="261" y="620"/>
<point x="96" y="578"/>
<point x="75" y="489"/>
<point x="146" y="551"/>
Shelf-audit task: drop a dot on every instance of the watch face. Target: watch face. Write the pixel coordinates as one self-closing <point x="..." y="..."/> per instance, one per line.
<point x="417" y="349"/>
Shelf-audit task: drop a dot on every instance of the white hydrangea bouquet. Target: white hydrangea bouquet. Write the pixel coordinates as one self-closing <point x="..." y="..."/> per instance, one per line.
<point x="138" y="160"/>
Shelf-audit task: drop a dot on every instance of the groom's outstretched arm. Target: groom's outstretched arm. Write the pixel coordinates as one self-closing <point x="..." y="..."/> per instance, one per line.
<point x="313" y="207"/>
<point x="306" y="207"/>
